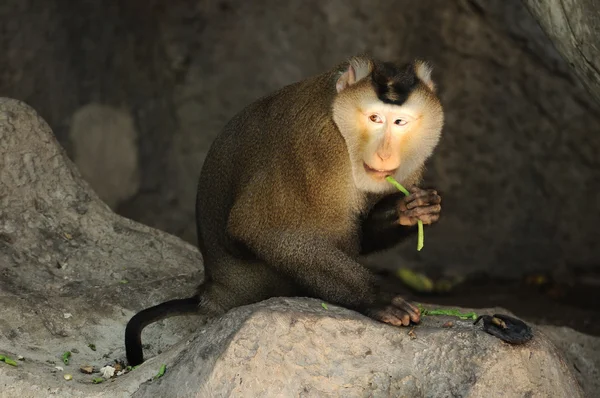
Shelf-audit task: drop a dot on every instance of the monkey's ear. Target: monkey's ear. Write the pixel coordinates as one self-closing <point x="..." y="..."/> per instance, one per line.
<point x="423" y="72"/>
<point x="358" y="68"/>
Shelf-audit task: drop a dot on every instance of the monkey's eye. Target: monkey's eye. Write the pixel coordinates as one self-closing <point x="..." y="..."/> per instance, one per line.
<point x="400" y="122"/>
<point x="375" y="118"/>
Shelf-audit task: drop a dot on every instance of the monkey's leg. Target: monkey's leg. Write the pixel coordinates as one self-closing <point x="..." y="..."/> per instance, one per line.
<point x="324" y="271"/>
<point x="394" y="218"/>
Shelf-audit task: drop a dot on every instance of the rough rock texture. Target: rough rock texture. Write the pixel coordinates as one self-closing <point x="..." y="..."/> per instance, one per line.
<point x="518" y="163"/>
<point x="582" y="353"/>
<point x="293" y="348"/>
<point x="64" y="258"/>
<point x="574" y="27"/>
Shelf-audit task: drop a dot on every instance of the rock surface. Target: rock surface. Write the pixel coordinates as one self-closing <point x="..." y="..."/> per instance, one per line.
<point x="582" y="353"/>
<point x="518" y="163"/>
<point x="574" y="27"/>
<point x="289" y="348"/>
<point x="73" y="273"/>
<point x="105" y="151"/>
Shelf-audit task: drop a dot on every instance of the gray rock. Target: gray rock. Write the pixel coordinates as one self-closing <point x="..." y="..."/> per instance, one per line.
<point x="295" y="348"/>
<point x="574" y="27"/>
<point x="105" y="151"/>
<point x="517" y="165"/>
<point x="72" y="271"/>
<point x="582" y="354"/>
<point x="64" y="256"/>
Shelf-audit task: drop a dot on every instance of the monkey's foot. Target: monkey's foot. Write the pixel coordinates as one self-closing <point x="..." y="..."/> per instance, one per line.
<point x="398" y="313"/>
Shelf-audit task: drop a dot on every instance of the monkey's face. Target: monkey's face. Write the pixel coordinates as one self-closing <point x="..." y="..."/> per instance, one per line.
<point x="382" y="130"/>
<point x="387" y="137"/>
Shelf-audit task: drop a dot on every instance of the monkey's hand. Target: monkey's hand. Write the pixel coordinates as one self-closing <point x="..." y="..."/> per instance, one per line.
<point x="421" y="204"/>
<point x="398" y="313"/>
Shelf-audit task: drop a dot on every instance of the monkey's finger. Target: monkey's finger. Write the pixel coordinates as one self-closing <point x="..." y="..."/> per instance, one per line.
<point x="422" y="210"/>
<point x="428" y="198"/>
<point x="429" y="218"/>
<point x="402" y="205"/>
<point x="402" y="316"/>
<point x="390" y="315"/>
<point x="407" y="221"/>
<point x="405" y="319"/>
<point x="421" y="193"/>
<point x="412" y="310"/>
<point x="401" y="302"/>
<point x="418" y="192"/>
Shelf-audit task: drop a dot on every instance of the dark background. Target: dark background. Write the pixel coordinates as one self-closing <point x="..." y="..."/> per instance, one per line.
<point x="137" y="90"/>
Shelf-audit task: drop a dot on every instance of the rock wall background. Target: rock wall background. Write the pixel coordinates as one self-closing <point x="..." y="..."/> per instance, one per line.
<point x="136" y="91"/>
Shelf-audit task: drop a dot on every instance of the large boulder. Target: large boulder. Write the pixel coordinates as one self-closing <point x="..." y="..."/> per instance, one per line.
<point x="73" y="273"/>
<point x="290" y="348"/>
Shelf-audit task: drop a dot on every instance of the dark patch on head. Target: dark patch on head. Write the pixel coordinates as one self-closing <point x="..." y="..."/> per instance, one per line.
<point x="393" y="84"/>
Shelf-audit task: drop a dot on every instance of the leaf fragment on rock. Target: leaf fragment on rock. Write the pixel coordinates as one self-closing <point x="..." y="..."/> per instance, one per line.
<point x="161" y="371"/>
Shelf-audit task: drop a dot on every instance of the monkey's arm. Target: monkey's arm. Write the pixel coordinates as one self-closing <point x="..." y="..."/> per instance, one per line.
<point x="315" y="264"/>
<point x="323" y="271"/>
<point x="394" y="217"/>
<point x="381" y="229"/>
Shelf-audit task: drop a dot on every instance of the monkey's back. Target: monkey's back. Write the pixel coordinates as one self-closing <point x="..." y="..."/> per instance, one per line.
<point x="283" y="159"/>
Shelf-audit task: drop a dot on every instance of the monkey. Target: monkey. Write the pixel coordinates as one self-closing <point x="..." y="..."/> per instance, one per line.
<point x="292" y="193"/>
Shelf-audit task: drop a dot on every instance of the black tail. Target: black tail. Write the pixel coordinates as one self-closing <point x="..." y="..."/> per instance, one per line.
<point x="133" y="331"/>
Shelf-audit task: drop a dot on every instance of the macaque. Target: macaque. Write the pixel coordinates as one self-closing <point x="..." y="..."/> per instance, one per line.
<point x="293" y="192"/>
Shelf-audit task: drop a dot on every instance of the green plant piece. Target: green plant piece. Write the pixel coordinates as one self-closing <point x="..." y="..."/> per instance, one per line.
<point x="97" y="380"/>
<point x="449" y="312"/>
<point x="66" y="356"/>
<point x="324" y="306"/>
<point x="420" y="235"/>
<point x="161" y="371"/>
<point x="398" y="186"/>
<point x="7" y="360"/>
<point x="420" y="232"/>
<point x="415" y="280"/>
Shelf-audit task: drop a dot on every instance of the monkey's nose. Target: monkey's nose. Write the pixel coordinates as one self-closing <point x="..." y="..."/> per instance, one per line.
<point x="384" y="155"/>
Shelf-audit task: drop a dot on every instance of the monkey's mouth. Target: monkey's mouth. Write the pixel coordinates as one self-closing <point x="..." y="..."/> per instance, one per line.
<point x="377" y="173"/>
